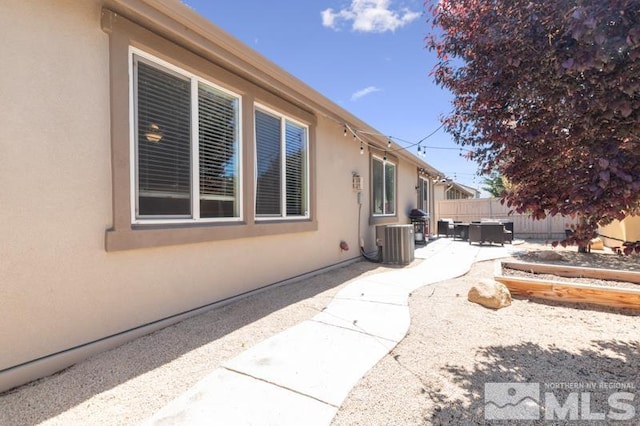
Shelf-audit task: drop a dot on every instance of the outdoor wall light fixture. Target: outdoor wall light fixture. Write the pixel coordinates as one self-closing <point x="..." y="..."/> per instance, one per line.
<point x="356" y="182"/>
<point x="153" y="134"/>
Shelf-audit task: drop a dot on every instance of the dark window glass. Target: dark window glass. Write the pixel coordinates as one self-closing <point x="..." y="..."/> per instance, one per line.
<point x="164" y="142"/>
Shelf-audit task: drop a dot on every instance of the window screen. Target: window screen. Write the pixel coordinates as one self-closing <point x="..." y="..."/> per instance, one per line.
<point x="384" y="187"/>
<point x="268" y="201"/>
<point x="296" y="146"/>
<point x="378" y="188"/>
<point x="164" y="142"/>
<point x="218" y="135"/>
<point x="282" y="181"/>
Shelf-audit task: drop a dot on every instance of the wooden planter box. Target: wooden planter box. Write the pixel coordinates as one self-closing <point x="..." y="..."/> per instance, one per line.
<point x="617" y="297"/>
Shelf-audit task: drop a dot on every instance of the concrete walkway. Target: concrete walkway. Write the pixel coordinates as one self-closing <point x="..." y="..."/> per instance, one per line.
<point x="302" y="375"/>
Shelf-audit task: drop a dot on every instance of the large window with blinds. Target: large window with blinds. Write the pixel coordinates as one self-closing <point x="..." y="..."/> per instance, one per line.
<point x="187" y="148"/>
<point x="384" y="187"/>
<point x="282" y="157"/>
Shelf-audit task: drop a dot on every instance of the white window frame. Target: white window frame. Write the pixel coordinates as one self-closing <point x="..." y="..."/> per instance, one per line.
<point x="195" y="146"/>
<point x="283" y="181"/>
<point x="384" y="187"/>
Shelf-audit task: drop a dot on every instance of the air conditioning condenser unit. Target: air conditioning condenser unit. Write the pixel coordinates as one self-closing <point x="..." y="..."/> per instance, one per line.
<point x="398" y="246"/>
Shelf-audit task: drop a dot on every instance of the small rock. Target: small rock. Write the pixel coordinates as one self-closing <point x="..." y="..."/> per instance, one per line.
<point x="490" y="294"/>
<point x="549" y="255"/>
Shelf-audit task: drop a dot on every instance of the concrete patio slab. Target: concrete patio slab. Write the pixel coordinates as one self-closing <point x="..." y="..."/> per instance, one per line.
<point x="374" y="291"/>
<point x="219" y="398"/>
<point x="365" y="317"/>
<point x="391" y="277"/>
<point x="318" y="360"/>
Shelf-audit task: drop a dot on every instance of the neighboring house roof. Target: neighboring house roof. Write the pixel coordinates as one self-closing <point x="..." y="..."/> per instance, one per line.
<point x="451" y="185"/>
<point x="473" y="191"/>
<point x="178" y="22"/>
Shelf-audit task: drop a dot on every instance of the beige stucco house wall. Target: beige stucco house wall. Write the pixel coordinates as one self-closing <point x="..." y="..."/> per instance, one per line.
<point x="620" y="231"/>
<point x="76" y="276"/>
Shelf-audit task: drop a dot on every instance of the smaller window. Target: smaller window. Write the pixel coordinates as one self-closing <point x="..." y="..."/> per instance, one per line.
<point x="282" y="164"/>
<point x="384" y="187"/>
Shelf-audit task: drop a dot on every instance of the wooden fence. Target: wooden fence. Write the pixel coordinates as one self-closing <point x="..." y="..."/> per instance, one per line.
<point x="473" y="209"/>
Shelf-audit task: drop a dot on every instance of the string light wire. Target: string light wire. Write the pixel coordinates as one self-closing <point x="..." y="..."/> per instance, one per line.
<point x="422" y="149"/>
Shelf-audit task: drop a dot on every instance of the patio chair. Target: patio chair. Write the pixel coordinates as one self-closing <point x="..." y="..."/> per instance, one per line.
<point x="445" y="227"/>
<point x="486" y="233"/>
<point x="460" y="230"/>
<point x="508" y="228"/>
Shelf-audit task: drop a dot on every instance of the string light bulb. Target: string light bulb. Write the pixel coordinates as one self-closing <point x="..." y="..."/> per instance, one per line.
<point x="389" y="143"/>
<point x="361" y="148"/>
<point x="345" y="130"/>
<point x="385" y="156"/>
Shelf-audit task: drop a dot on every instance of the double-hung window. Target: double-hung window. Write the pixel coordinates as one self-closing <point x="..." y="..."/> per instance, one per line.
<point x="384" y="187"/>
<point x="282" y="164"/>
<point x="186" y="145"/>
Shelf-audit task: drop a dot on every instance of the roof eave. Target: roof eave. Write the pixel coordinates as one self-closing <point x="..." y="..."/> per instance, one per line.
<point x="181" y="24"/>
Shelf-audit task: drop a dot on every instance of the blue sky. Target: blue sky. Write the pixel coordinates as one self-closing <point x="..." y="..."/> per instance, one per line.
<point x="368" y="56"/>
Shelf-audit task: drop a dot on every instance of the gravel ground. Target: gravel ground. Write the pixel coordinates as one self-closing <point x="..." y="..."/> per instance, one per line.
<point x="436" y="375"/>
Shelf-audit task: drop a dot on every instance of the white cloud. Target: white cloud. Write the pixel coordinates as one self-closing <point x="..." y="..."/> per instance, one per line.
<point x="371" y="16"/>
<point x="328" y="18"/>
<point x="364" y="92"/>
